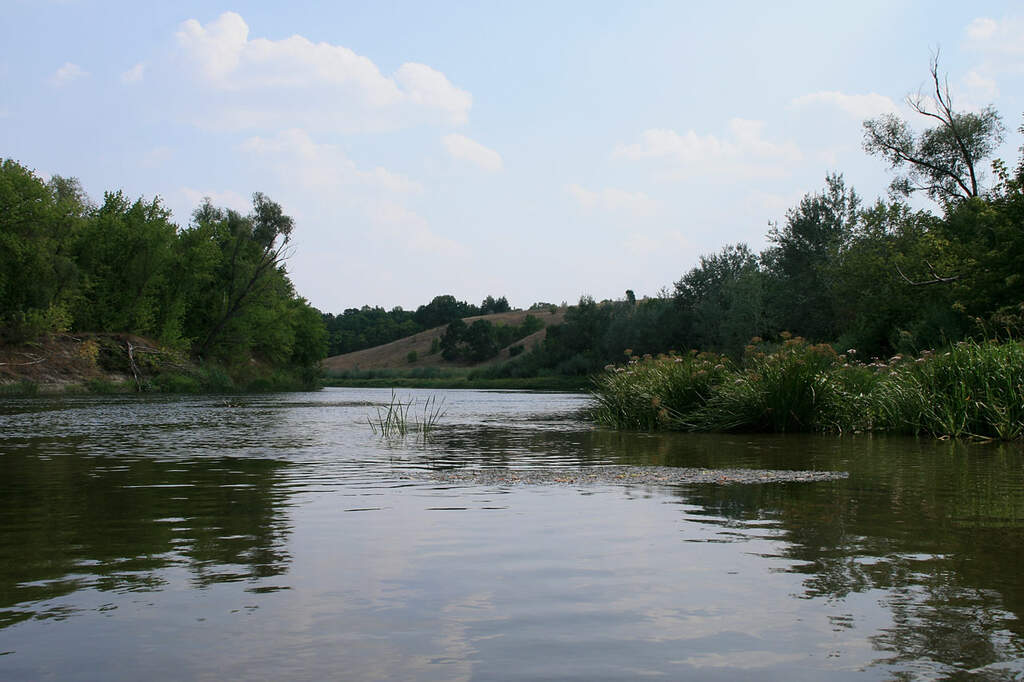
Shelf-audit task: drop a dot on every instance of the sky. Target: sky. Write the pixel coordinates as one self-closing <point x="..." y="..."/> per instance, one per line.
<point x="535" y="150"/>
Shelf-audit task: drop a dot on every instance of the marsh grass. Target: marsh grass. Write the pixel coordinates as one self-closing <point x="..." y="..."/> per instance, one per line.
<point x="394" y="421"/>
<point x="656" y="393"/>
<point x="973" y="390"/>
<point x="787" y="389"/>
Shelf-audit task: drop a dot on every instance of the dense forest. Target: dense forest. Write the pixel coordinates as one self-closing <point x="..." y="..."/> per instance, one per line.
<point x="216" y="289"/>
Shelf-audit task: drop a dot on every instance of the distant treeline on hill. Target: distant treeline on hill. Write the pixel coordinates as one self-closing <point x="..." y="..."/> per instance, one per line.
<point x="366" y="327"/>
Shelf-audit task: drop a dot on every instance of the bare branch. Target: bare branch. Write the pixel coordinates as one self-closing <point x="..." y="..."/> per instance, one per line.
<point x="937" y="279"/>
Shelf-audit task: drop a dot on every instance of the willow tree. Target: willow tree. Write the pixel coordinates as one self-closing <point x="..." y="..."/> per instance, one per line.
<point x="944" y="161"/>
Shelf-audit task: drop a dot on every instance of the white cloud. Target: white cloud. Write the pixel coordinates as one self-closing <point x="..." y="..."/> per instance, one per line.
<point x="465" y="149"/>
<point x="323" y="167"/>
<point x="67" y="73"/>
<point x="406" y="228"/>
<point x="1000" y="43"/>
<point x="980" y="87"/>
<point x="319" y="86"/>
<point x="743" y="151"/>
<point x="134" y="74"/>
<point x="321" y="177"/>
<point x="982" y="28"/>
<point x="858" y="106"/>
<point x="611" y="199"/>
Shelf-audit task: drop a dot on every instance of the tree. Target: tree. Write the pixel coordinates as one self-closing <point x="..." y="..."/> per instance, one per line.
<point x="38" y="225"/>
<point x="124" y="254"/>
<point x="253" y="249"/>
<point x="798" y="264"/>
<point x="943" y="161"/>
<point x="722" y="299"/>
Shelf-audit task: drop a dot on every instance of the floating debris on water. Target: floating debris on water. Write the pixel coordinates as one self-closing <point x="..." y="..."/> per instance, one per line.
<point x="603" y="475"/>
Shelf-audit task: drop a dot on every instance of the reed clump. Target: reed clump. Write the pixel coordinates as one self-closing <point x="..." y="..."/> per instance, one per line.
<point x="652" y="393"/>
<point x="972" y="390"/>
<point x="398" y="419"/>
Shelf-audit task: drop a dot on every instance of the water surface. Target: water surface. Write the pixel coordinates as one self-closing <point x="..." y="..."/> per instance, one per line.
<point x="275" y="537"/>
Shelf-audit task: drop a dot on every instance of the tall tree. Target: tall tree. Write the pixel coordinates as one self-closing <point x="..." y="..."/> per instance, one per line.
<point x="945" y="160"/>
<point x="253" y="250"/>
<point x="803" y="249"/>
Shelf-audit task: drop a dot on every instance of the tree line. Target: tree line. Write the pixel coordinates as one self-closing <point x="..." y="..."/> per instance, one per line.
<point x="881" y="278"/>
<point x="366" y="327"/>
<point x="217" y="287"/>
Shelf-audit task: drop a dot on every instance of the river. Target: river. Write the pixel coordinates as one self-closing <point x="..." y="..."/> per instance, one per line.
<point x="277" y="537"/>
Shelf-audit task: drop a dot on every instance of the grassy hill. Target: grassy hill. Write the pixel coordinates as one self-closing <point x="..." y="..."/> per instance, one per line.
<point x="395" y="355"/>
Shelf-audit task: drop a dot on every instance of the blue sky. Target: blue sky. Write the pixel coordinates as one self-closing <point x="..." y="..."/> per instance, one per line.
<point x="534" y="150"/>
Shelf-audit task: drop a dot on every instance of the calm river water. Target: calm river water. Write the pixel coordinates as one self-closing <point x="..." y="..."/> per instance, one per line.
<point x="275" y="537"/>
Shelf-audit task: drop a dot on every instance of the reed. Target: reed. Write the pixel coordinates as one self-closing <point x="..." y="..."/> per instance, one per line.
<point x="656" y="393"/>
<point x="972" y="390"/>
<point x="785" y="390"/>
<point x="393" y="421"/>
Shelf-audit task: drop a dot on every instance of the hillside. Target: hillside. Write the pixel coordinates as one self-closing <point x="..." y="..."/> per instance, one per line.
<point x="395" y="355"/>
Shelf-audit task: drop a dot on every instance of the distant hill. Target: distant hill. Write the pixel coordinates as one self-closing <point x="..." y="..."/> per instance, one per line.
<point x="395" y="355"/>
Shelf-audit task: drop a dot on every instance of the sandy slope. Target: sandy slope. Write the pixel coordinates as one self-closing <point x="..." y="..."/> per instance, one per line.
<point x="394" y="355"/>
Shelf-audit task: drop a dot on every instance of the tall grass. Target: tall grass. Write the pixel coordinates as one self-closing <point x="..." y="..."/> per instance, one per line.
<point x="973" y="390"/>
<point x="393" y="421"/>
<point x="656" y="393"/>
<point x="784" y="390"/>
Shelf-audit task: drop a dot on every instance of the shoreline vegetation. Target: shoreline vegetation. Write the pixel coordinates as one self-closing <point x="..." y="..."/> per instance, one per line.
<point x="69" y="364"/>
<point x="974" y="390"/>
<point x="113" y="297"/>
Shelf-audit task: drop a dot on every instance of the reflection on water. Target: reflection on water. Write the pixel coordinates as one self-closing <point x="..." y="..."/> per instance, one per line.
<point x="275" y="537"/>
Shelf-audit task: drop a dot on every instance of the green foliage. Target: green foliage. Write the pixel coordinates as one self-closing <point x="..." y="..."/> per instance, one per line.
<point x="657" y="393"/>
<point x="973" y="389"/>
<point x="943" y="161"/>
<point x="786" y="390"/>
<point x="366" y="327"/>
<point x="411" y="357"/>
<point x="19" y="388"/>
<point x="39" y="223"/>
<point x="217" y="287"/>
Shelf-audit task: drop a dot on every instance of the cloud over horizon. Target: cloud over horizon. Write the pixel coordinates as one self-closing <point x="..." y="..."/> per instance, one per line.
<point x="260" y="83"/>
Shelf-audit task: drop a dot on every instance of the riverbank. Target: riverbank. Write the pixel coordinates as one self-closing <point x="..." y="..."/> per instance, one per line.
<point x="452" y="378"/>
<point x="126" y="363"/>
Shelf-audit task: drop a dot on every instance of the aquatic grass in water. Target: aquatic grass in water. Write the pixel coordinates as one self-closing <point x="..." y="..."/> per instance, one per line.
<point x="656" y="393"/>
<point x="394" y="421"/>
<point x="786" y="390"/>
<point x="973" y="390"/>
